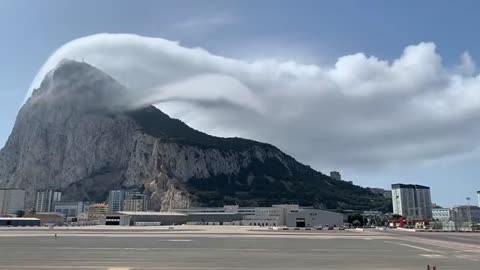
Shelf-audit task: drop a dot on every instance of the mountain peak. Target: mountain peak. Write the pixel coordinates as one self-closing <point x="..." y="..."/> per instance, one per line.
<point x="81" y="86"/>
<point x="77" y="134"/>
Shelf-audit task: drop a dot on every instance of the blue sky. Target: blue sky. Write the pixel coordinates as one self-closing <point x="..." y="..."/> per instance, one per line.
<point x="311" y="32"/>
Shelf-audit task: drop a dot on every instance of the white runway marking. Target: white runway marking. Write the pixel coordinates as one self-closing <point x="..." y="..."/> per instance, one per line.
<point x="410" y="246"/>
<point x="180" y="240"/>
<point x="432" y="255"/>
<point x="468" y="257"/>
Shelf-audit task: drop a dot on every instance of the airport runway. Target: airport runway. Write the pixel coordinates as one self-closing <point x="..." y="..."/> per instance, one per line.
<point x="458" y="237"/>
<point x="87" y="249"/>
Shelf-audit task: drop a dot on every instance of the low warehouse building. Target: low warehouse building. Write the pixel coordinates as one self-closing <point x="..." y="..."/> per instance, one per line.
<point x="267" y="216"/>
<point x="49" y="218"/>
<point x="19" y="221"/>
<point x="156" y="218"/>
<point x="313" y="218"/>
<point x="277" y="215"/>
<point x="214" y="218"/>
<point x="115" y="220"/>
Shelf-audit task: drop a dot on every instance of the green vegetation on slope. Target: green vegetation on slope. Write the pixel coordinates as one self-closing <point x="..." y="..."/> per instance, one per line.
<point x="270" y="181"/>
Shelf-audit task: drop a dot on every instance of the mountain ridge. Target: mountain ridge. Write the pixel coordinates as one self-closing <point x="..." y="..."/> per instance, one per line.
<point x="77" y="133"/>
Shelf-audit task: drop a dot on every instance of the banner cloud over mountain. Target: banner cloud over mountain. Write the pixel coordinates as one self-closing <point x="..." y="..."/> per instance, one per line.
<point x="361" y="111"/>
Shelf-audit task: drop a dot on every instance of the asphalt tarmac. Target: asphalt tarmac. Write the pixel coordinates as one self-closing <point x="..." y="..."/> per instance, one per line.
<point x="256" y="250"/>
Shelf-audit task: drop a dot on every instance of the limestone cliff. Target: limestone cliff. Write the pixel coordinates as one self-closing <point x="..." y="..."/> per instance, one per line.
<point x="77" y="134"/>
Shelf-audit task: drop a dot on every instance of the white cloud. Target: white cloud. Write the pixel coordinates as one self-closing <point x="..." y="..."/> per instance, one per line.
<point x="360" y="111"/>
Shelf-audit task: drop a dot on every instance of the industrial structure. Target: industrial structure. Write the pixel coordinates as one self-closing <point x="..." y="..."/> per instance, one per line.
<point x="277" y="215"/>
<point x="11" y="201"/>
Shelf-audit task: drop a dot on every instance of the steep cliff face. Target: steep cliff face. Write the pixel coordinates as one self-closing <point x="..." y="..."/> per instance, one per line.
<point x="76" y="134"/>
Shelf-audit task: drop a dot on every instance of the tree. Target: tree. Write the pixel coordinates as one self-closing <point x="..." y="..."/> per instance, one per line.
<point x="356" y="217"/>
<point x="20" y="213"/>
<point x="396" y="216"/>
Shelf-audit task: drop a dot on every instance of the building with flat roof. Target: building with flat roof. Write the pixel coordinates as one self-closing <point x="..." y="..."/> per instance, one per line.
<point x="213" y="218"/>
<point x="291" y="215"/>
<point x="277" y="215"/>
<point x="49" y="217"/>
<point x="156" y="218"/>
<point x="313" y="218"/>
<point x="127" y="200"/>
<point x="267" y="216"/>
<point x="115" y="200"/>
<point x="115" y="220"/>
<point x="45" y="200"/>
<point x="19" y="221"/>
<point x="135" y="201"/>
<point x="11" y="201"/>
<point x="97" y="210"/>
<point x="69" y="209"/>
<point x="466" y="213"/>
<point x="442" y="214"/>
<point x="412" y="202"/>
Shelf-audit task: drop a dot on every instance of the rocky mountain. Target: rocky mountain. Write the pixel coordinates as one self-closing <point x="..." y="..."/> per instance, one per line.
<point x="77" y="134"/>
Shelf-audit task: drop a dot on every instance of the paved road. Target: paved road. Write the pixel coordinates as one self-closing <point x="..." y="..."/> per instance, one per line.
<point x="190" y="251"/>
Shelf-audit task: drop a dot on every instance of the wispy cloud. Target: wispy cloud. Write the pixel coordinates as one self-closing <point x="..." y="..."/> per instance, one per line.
<point x="204" y="24"/>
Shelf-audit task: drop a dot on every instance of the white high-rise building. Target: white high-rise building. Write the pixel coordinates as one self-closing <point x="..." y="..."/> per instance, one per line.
<point x="45" y="200"/>
<point x="412" y="201"/>
<point x="115" y="200"/>
<point x="11" y="201"/>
